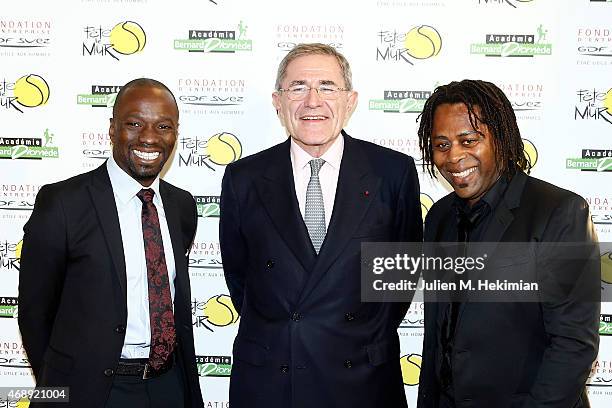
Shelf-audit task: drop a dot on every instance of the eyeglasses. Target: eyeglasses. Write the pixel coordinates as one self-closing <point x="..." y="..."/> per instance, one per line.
<point x="299" y="92"/>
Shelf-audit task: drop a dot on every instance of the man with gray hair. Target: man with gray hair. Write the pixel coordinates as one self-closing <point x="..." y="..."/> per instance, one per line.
<point x="293" y="218"/>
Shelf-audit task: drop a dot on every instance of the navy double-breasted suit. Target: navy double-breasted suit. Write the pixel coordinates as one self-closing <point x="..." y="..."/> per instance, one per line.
<point x="305" y="338"/>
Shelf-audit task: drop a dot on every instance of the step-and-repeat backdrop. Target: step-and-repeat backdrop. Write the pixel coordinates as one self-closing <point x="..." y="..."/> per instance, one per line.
<point x="61" y="65"/>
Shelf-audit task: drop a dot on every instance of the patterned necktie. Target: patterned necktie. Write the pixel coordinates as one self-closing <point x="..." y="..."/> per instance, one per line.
<point x="163" y="335"/>
<point x="314" y="216"/>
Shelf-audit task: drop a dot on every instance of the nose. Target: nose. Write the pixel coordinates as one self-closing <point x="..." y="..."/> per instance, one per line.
<point x="148" y="134"/>
<point x="456" y="153"/>
<point x="313" y="99"/>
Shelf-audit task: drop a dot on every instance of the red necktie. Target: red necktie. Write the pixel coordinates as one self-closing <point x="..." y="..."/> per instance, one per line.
<point x="163" y="334"/>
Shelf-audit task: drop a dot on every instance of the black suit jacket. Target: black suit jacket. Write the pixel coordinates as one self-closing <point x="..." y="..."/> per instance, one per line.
<point x="517" y="354"/>
<point x="305" y="338"/>
<point x="72" y="287"/>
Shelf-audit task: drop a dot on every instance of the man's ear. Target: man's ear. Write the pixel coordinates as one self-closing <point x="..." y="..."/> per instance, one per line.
<point x="277" y="105"/>
<point x="276" y="101"/>
<point x="351" y="105"/>
<point x="111" y="130"/>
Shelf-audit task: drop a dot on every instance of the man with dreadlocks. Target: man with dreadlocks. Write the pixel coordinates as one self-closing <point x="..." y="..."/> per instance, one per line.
<point x="492" y="355"/>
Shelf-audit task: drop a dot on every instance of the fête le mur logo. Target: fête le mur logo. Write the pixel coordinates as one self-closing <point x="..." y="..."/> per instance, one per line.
<point x="123" y="38"/>
<point x="593" y="104"/>
<point x="506" y="3"/>
<point x="28" y="91"/>
<point x="420" y="42"/>
<point x="217" y="311"/>
<point x="220" y="149"/>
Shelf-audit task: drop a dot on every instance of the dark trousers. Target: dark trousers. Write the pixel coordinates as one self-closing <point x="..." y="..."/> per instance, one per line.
<point x="446" y="401"/>
<point x="165" y="391"/>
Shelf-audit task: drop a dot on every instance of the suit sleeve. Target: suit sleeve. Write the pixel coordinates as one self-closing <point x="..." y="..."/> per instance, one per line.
<point x="41" y="276"/>
<point x="234" y="251"/>
<point x="194" y="220"/>
<point x="572" y="322"/>
<point x="408" y="219"/>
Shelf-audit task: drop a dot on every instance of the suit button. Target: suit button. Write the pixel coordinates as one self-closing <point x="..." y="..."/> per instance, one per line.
<point x="296" y="316"/>
<point x="348" y="364"/>
<point x="270" y="264"/>
<point x="284" y="368"/>
<point x="120" y="329"/>
<point x="349" y="317"/>
<point x="109" y="372"/>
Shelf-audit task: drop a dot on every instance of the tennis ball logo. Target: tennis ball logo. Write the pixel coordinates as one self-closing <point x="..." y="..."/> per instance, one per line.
<point x="219" y="311"/>
<point x="223" y="148"/>
<point x="18" y="249"/>
<point x="23" y="403"/>
<point x="426" y="203"/>
<point x="423" y="42"/>
<point x="411" y="368"/>
<point x="606" y="267"/>
<point x="607" y="102"/>
<point x="128" y="38"/>
<point x="31" y="91"/>
<point x="531" y="153"/>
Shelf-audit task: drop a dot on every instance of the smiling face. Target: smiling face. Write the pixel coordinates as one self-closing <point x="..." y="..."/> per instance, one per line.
<point x="464" y="156"/>
<point x="314" y="123"/>
<point x="143" y="131"/>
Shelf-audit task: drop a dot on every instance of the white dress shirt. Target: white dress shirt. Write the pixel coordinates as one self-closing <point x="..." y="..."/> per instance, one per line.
<point x="129" y="207"/>
<point x="328" y="175"/>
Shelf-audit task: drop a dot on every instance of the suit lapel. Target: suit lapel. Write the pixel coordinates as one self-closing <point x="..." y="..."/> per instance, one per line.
<point x="171" y="209"/>
<point x="502" y="218"/>
<point x="103" y="200"/>
<point x="350" y="206"/>
<point x="276" y="191"/>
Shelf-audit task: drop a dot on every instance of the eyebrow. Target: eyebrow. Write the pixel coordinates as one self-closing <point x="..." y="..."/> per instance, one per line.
<point x="137" y="115"/>
<point x="303" y="82"/>
<point x="470" y="132"/>
<point x="465" y="133"/>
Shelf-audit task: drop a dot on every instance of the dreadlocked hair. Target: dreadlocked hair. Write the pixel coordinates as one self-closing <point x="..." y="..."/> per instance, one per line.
<point x="494" y="110"/>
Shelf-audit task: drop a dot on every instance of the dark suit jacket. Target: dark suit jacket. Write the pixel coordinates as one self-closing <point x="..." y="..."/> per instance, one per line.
<point x="517" y="354"/>
<point x="72" y="287"/>
<point x="305" y="338"/>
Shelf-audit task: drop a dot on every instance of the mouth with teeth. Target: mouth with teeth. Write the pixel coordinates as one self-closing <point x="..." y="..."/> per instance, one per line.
<point x="463" y="173"/>
<point x="461" y="179"/>
<point x="313" y="117"/>
<point x="145" y="156"/>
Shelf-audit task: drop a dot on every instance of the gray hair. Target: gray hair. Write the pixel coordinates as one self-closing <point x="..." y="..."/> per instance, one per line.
<point x="301" y="50"/>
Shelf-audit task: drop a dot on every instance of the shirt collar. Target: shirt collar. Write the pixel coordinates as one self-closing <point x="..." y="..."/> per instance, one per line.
<point x="124" y="186"/>
<point x="333" y="155"/>
<point x="489" y="200"/>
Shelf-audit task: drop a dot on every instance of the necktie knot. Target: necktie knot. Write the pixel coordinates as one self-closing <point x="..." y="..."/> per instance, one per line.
<point x="315" y="166"/>
<point x="146" y="195"/>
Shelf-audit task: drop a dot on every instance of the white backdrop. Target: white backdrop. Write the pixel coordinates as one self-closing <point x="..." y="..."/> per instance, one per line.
<point x="61" y="64"/>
